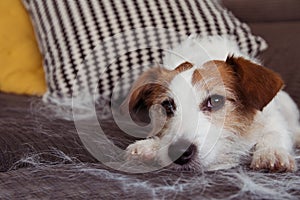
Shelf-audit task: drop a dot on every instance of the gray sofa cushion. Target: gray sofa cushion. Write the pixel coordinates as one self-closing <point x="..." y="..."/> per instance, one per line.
<point x="282" y="54"/>
<point x="264" y="10"/>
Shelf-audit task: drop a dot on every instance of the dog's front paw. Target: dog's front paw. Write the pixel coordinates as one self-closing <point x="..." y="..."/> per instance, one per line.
<point x="144" y="150"/>
<point x="273" y="159"/>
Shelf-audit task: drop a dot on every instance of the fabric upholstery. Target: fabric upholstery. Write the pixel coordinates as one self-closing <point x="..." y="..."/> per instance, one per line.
<point x="264" y="11"/>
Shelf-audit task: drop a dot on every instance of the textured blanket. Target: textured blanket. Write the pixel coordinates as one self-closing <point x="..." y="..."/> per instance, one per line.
<point x="42" y="157"/>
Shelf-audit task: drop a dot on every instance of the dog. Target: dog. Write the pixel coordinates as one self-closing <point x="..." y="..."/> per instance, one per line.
<point x="210" y="106"/>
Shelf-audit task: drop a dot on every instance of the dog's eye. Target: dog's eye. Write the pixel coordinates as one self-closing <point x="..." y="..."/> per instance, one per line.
<point x="169" y="107"/>
<point x="214" y="102"/>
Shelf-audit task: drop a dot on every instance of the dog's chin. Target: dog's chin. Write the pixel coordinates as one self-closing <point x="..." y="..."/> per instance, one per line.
<point x="221" y="167"/>
<point x="196" y="167"/>
<point x="192" y="166"/>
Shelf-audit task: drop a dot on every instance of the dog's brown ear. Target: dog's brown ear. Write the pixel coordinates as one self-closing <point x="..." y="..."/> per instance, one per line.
<point x="142" y="94"/>
<point x="257" y="85"/>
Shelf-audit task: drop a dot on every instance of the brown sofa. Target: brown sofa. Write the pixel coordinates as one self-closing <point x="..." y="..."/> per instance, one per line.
<point x="42" y="157"/>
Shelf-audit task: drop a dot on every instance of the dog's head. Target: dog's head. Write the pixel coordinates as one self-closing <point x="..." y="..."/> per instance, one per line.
<point x="204" y="112"/>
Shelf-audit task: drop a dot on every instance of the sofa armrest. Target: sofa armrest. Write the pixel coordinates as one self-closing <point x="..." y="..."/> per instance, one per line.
<point x="264" y="10"/>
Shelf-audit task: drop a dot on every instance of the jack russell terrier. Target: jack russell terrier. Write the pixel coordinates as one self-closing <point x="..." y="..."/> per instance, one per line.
<point x="210" y="106"/>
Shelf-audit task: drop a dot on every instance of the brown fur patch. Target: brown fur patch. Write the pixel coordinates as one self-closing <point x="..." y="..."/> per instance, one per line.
<point x="197" y="77"/>
<point x="257" y="85"/>
<point x="218" y="78"/>
<point x="146" y="91"/>
<point x="151" y="88"/>
<point x="250" y="87"/>
<point x="152" y="85"/>
<point x="184" y="66"/>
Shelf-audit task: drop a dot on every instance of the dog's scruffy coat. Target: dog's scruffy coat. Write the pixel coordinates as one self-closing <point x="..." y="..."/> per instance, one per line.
<point x="210" y="105"/>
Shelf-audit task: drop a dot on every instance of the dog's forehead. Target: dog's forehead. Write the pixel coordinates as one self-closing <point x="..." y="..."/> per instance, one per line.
<point x="183" y="92"/>
<point x="182" y="82"/>
<point x="210" y="73"/>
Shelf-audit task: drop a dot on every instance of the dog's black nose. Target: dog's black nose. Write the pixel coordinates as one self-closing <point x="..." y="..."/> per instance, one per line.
<point x="181" y="152"/>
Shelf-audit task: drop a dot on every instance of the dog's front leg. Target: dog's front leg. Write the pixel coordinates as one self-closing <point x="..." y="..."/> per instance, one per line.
<point x="144" y="150"/>
<point x="273" y="152"/>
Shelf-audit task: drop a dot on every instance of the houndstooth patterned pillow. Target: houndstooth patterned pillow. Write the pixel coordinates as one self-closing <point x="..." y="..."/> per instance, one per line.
<point x="101" y="46"/>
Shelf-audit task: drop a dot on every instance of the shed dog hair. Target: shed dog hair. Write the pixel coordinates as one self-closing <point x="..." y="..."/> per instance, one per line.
<point x="210" y="106"/>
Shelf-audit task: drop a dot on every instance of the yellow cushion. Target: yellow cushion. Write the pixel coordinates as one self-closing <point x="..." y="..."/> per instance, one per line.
<point x="21" y="68"/>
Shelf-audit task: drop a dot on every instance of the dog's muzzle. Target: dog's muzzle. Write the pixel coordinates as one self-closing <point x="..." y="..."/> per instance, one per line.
<point x="182" y="152"/>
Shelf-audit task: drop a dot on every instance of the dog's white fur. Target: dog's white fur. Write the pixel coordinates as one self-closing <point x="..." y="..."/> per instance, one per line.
<point x="199" y="50"/>
<point x="272" y="133"/>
